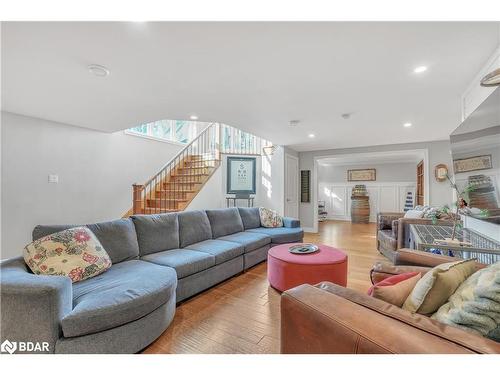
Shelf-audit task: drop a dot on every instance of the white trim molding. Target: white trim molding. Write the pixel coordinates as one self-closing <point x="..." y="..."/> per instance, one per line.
<point x="309" y="230"/>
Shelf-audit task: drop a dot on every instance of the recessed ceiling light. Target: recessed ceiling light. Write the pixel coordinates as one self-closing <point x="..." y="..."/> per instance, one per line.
<point x="407" y="124"/>
<point x="193" y="117"/>
<point x="98" y="70"/>
<point x="420" y="69"/>
<point x="311" y="135"/>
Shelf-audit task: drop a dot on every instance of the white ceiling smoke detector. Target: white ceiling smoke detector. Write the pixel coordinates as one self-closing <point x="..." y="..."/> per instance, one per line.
<point x="98" y="70"/>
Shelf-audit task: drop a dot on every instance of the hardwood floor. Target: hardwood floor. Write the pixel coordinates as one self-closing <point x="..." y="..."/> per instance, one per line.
<point x="242" y="314"/>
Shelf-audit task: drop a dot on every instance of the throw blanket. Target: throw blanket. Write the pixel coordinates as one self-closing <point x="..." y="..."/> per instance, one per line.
<point x="475" y="305"/>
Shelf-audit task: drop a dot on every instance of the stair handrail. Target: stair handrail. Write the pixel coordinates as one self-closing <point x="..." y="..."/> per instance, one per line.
<point x="165" y="166"/>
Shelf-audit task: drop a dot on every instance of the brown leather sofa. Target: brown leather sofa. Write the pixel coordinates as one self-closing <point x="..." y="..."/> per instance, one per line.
<point x="393" y="232"/>
<point x="327" y="318"/>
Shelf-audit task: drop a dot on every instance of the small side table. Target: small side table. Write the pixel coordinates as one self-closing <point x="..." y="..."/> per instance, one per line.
<point x="248" y="198"/>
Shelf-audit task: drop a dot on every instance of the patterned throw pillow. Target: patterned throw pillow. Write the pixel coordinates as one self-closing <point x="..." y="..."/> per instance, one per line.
<point x="74" y="252"/>
<point x="270" y="218"/>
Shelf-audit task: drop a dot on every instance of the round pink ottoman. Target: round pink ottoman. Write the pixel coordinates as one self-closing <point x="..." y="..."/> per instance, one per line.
<point x="286" y="270"/>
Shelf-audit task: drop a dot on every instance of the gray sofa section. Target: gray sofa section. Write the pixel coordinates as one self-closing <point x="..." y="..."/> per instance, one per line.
<point x="126" y="292"/>
<point x="118" y="237"/>
<point x="158" y="260"/>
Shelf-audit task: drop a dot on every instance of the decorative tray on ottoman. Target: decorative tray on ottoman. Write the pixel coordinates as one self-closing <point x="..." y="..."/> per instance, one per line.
<point x="303" y="248"/>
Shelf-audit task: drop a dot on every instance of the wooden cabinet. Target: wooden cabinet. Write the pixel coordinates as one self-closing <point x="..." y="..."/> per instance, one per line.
<point x="420" y="183"/>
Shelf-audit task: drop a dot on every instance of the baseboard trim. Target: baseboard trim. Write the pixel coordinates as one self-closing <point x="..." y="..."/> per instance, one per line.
<point x="309" y="230"/>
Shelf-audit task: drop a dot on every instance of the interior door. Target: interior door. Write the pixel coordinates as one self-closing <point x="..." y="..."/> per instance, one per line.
<point x="291" y="186"/>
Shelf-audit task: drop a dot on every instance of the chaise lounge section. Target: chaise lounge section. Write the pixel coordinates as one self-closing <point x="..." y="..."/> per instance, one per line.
<point x="158" y="261"/>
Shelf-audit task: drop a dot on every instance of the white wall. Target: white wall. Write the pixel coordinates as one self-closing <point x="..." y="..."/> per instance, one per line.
<point x="269" y="185"/>
<point x="96" y="171"/>
<point x="386" y="172"/>
<point x="440" y="193"/>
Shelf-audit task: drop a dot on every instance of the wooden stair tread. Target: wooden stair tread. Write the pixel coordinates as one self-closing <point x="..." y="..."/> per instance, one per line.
<point x="159" y="209"/>
<point x="190" y="175"/>
<point x="182" y="182"/>
<point x="175" y="191"/>
<point x="168" y="199"/>
<point x="199" y="161"/>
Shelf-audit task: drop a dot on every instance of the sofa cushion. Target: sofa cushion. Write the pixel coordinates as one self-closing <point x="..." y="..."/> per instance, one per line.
<point x="117" y="237"/>
<point x="194" y="227"/>
<point x="250" y="217"/>
<point x="222" y="250"/>
<point x="74" y="252"/>
<point x="156" y="232"/>
<point x="436" y="286"/>
<point x="250" y="241"/>
<point x="281" y="235"/>
<point x="126" y="292"/>
<point x="185" y="262"/>
<point x="291" y="222"/>
<point x="224" y="221"/>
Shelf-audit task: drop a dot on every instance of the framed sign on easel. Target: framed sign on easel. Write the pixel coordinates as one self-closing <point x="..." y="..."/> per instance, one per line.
<point x="241" y="175"/>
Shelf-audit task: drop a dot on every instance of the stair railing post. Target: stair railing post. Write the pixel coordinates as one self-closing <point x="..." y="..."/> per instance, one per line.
<point x="219" y="143"/>
<point x="137" y="198"/>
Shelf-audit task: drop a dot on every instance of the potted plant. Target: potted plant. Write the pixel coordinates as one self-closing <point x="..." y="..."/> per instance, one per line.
<point x="460" y="208"/>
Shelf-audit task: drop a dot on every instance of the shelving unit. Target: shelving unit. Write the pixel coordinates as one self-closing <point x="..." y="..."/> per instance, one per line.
<point x="322" y="213"/>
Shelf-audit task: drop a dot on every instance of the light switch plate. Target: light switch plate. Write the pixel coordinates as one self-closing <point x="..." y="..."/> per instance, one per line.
<point x="53" y="179"/>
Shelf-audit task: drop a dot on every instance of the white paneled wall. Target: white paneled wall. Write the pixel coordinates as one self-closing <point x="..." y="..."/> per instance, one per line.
<point x="384" y="197"/>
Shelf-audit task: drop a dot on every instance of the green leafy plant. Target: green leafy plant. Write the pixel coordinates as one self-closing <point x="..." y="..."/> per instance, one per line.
<point x="461" y="195"/>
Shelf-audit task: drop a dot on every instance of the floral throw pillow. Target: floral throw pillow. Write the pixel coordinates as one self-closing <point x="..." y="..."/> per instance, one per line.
<point x="270" y="218"/>
<point x="74" y="252"/>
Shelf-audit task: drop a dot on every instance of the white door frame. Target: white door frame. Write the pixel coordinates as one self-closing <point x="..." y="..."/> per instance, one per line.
<point x="316" y="159"/>
<point x="297" y="182"/>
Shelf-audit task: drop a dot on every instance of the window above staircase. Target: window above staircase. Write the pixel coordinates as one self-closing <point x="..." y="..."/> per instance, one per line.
<point x="232" y="140"/>
<point x="176" y="131"/>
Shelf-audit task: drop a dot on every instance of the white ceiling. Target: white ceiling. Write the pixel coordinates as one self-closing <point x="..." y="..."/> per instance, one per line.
<point x="255" y="76"/>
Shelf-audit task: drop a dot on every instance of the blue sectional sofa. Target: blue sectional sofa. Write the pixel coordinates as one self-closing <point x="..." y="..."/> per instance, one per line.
<point x="158" y="260"/>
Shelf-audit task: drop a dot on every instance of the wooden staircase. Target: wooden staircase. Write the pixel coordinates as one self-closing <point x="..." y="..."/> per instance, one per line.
<point x="180" y="180"/>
